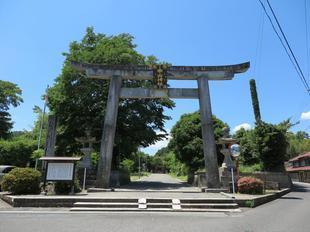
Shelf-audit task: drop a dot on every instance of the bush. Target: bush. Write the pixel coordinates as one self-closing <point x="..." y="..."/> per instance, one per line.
<point x="250" y="185"/>
<point x="128" y="165"/>
<point x="65" y="187"/>
<point x="17" y="152"/>
<point x="22" y="181"/>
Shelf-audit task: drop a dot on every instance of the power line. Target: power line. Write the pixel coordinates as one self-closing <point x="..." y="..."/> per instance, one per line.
<point x="289" y="47"/>
<point x="300" y="74"/>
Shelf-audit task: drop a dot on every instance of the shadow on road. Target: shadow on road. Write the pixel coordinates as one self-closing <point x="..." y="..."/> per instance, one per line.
<point x="143" y="185"/>
<point x="297" y="187"/>
<point x="291" y="198"/>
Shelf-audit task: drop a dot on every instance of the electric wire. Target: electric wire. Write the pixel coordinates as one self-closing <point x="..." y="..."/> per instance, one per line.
<point x="285" y="48"/>
<point x="290" y="49"/>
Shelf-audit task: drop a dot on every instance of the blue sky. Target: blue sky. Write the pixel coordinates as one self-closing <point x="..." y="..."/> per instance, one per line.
<point x="182" y="32"/>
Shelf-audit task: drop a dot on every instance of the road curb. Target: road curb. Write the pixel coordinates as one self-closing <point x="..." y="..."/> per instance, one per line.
<point x="259" y="200"/>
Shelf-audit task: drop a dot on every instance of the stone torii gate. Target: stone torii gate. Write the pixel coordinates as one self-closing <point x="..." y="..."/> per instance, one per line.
<point x="159" y="74"/>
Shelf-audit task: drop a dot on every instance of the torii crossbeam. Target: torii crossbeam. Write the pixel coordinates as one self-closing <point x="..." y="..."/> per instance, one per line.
<point x="116" y="73"/>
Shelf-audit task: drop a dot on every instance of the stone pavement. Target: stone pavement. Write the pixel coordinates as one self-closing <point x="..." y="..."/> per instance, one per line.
<point x="158" y="182"/>
<point x="157" y="186"/>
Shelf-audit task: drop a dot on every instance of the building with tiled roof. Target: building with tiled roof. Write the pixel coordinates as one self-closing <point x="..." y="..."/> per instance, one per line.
<point x="299" y="167"/>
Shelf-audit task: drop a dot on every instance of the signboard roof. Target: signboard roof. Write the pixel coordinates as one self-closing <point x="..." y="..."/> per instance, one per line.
<point x="60" y="158"/>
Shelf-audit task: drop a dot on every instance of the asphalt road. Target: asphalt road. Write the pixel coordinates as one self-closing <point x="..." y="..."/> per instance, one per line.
<point x="289" y="213"/>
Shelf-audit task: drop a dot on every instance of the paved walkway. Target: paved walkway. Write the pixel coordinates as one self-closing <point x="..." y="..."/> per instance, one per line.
<point x="159" y="182"/>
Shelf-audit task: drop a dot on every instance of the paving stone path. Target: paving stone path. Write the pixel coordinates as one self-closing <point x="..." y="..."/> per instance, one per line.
<point x="159" y="182"/>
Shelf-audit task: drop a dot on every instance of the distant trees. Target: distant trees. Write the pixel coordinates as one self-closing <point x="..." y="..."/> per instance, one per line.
<point x="20" y="148"/>
<point x="17" y="151"/>
<point x="10" y="95"/>
<point x="271" y="144"/>
<point x="298" y="143"/>
<point x="186" y="140"/>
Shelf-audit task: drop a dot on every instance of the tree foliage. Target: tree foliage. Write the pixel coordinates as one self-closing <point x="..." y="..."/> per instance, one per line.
<point x="271" y="144"/>
<point x="17" y="151"/>
<point x="298" y="143"/>
<point x="248" y="153"/>
<point x="265" y="145"/>
<point x="79" y="103"/>
<point x="10" y="95"/>
<point x="255" y="101"/>
<point x="186" y="140"/>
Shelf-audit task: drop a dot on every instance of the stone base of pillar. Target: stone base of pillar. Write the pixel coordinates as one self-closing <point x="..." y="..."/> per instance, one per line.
<point x="119" y="178"/>
<point x="225" y="177"/>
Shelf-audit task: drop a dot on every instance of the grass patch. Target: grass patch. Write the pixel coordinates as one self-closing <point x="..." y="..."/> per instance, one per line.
<point x="250" y="168"/>
<point x="249" y="204"/>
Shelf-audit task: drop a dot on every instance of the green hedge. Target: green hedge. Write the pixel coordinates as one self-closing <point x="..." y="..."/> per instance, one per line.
<point x="17" y="152"/>
<point x="22" y="181"/>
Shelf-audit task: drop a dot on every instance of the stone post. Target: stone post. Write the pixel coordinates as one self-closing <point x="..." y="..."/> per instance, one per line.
<point x="209" y="148"/>
<point x="108" y="134"/>
<point x="50" y="141"/>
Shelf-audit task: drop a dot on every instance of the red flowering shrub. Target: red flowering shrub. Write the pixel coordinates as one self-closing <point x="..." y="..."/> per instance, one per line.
<point x="250" y="185"/>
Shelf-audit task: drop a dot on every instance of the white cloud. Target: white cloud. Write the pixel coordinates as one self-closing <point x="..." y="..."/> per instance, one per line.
<point x="160" y="144"/>
<point x="152" y="149"/>
<point x="245" y="126"/>
<point x="305" y="116"/>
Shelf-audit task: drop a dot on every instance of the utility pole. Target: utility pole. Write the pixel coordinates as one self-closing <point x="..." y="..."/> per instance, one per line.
<point x="139" y="165"/>
<point x="41" y="124"/>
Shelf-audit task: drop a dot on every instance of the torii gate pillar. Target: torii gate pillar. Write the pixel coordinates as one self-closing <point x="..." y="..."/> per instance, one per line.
<point x="209" y="148"/>
<point x="107" y="140"/>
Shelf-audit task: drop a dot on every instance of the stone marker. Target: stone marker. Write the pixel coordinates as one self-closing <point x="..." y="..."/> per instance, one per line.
<point x="50" y="136"/>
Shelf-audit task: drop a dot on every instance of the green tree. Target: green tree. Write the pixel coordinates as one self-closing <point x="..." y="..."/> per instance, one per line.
<point x="128" y="165"/>
<point x="297" y="143"/>
<point x="249" y="154"/>
<point x="186" y="140"/>
<point x="271" y="144"/>
<point x="80" y="103"/>
<point x="10" y="95"/>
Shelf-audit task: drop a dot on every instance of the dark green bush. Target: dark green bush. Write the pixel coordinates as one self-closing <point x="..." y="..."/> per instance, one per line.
<point x="65" y="187"/>
<point x="250" y="185"/>
<point x="22" y="181"/>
